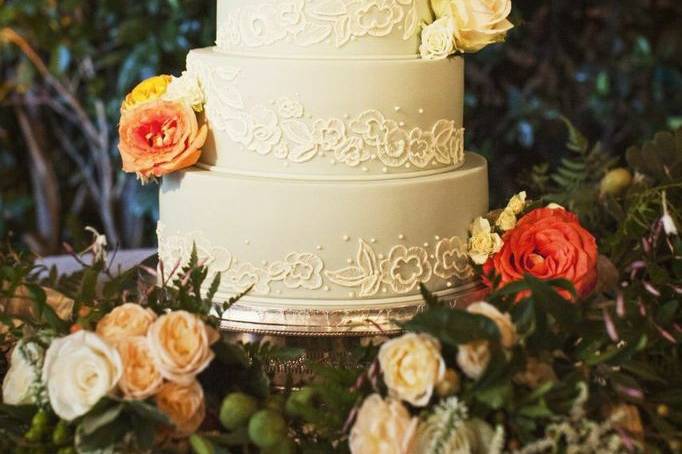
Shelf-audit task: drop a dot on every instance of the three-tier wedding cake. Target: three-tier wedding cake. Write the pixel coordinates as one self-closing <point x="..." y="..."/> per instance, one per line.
<point x="334" y="180"/>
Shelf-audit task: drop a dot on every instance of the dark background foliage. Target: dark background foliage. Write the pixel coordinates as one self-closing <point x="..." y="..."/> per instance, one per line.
<point x="613" y="67"/>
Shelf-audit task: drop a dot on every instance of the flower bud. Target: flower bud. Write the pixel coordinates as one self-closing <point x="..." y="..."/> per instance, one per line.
<point x="615" y="181"/>
<point x="450" y="384"/>
<point x="200" y="445"/>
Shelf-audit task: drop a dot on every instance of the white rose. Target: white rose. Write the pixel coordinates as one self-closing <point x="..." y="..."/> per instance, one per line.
<point x="477" y="23"/>
<point x="79" y="370"/>
<point x="23" y="374"/>
<point x="483" y="242"/>
<point x="187" y="89"/>
<point x="517" y="203"/>
<point x="473" y="358"/>
<point x="382" y="427"/>
<point x="505" y="326"/>
<point x="506" y="220"/>
<point x="555" y="206"/>
<point x="437" y="40"/>
<point x="412" y="366"/>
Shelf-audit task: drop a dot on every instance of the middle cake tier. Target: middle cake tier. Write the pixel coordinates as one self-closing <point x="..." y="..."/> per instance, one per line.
<point x="330" y="242"/>
<point x="360" y="118"/>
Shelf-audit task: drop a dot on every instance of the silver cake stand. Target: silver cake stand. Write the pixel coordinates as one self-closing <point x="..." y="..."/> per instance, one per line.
<point x="328" y="336"/>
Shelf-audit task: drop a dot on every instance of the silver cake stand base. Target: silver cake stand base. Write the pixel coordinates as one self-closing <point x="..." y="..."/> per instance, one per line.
<point x="328" y="336"/>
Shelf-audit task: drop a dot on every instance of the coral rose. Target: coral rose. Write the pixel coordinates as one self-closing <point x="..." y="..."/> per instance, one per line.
<point x="180" y="343"/>
<point x="160" y="137"/>
<point x="548" y="243"/>
<point x="184" y="405"/>
<point x="141" y="379"/>
<point x="126" y="320"/>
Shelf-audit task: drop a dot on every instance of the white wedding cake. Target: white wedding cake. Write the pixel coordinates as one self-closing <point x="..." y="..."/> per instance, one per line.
<point x="334" y="179"/>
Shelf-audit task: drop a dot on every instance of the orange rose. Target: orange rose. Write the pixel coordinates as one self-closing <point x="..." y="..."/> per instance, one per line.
<point x="548" y="243"/>
<point x="160" y="137"/>
<point x="184" y="405"/>
<point x="141" y="379"/>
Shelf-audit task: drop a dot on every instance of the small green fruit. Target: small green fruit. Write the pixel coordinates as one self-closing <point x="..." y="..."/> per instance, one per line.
<point x="200" y="445"/>
<point x="69" y="450"/>
<point x="267" y="428"/>
<point x="33" y="435"/>
<point x="286" y="447"/>
<point x="298" y="400"/>
<point x="61" y="433"/>
<point x="616" y="181"/>
<point x="236" y="410"/>
<point x="40" y="421"/>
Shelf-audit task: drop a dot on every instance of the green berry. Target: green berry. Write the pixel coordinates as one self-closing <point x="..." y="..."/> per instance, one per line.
<point x="33" y="435"/>
<point x="61" y="433"/>
<point x="200" y="445"/>
<point x="69" y="450"/>
<point x="236" y="410"/>
<point x="267" y="428"/>
<point x="286" y="447"/>
<point x="40" y="421"/>
<point x="298" y="400"/>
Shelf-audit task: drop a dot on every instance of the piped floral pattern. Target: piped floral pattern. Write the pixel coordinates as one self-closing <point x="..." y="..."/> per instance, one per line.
<point x="284" y="131"/>
<point x="306" y="23"/>
<point x="400" y="271"/>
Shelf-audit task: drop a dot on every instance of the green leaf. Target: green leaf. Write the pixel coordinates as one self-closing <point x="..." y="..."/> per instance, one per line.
<point x="148" y="412"/>
<point x="453" y="326"/>
<point x="95" y="420"/>
<point x="576" y="140"/>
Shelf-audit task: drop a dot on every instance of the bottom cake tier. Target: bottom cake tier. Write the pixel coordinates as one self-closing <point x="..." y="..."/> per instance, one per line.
<point x="310" y="246"/>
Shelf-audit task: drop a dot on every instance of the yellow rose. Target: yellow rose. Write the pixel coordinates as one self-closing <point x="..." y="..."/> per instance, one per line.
<point x="147" y="90"/>
<point x="473" y="358"/>
<point x="184" y="405"/>
<point x="21" y="305"/>
<point x="180" y="343"/>
<point x="506" y="220"/>
<point x="517" y="203"/>
<point x="483" y="242"/>
<point x="477" y="23"/>
<point x="504" y="322"/>
<point x="412" y="365"/>
<point x="127" y="320"/>
<point x="382" y="427"/>
<point x="141" y="379"/>
<point x="437" y="40"/>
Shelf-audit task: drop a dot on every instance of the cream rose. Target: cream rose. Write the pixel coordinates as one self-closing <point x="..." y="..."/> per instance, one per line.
<point x="535" y="374"/>
<point x="79" y="370"/>
<point x="127" y="320"/>
<point x="506" y="220"/>
<point x="187" y="89"/>
<point x="473" y="358"/>
<point x="412" y="365"/>
<point x="141" y="379"/>
<point x="184" y="405"/>
<point x="181" y="346"/>
<point x="477" y="23"/>
<point x="517" y="203"/>
<point x="483" y="242"/>
<point x="382" y="427"/>
<point x="18" y="387"/>
<point x="437" y="40"/>
<point x="504" y="322"/>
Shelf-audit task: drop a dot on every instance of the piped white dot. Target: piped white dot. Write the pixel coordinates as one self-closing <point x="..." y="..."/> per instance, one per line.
<point x="384" y="169"/>
<point x="408" y="165"/>
<point x="401" y="124"/>
<point x="345" y="238"/>
<point x="397" y="108"/>
<point x="433" y="257"/>
<point x="381" y="256"/>
<point x="318" y="247"/>
<point x="264" y="263"/>
<point x="401" y="237"/>
<point x="372" y="240"/>
<point x="326" y="288"/>
<point x="384" y="290"/>
<point x="247" y="242"/>
<point x="426" y="244"/>
<point x="421" y="111"/>
<point x="332" y="162"/>
<point x="351" y="294"/>
<point x="437" y="237"/>
<point x="365" y="169"/>
<point x="279" y="292"/>
<point x="449" y="284"/>
<point x="349" y="261"/>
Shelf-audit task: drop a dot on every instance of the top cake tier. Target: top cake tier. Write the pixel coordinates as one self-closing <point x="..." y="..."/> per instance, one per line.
<point x="317" y="28"/>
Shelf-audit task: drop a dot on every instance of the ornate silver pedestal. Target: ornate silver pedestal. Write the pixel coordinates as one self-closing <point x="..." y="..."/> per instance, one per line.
<point x="330" y="329"/>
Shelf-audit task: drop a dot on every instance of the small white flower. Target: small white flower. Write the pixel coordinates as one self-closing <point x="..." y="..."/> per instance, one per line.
<point x="517" y="203"/>
<point x="668" y="222"/>
<point x="437" y="40"/>
<point x="483" y="242"/>
<point x="506" y="220"/>
<point x="473" y="358"/>
<point x="186" y="88"/>
<point x="98" y="246"/>
<point x="555" y="206"/>
<point x="382" y="426"/>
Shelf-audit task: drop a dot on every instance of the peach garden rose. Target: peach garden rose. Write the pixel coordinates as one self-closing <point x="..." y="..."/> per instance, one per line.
<point x="126" y="320"/>
<point x="159" y="137"/>
<point x="183" y="404"/>
<point x="180" y="344"/>
<point x="141" y="379"/>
